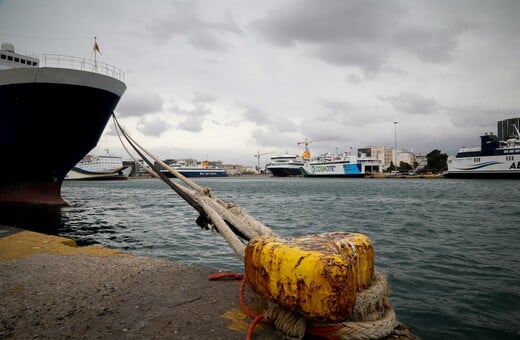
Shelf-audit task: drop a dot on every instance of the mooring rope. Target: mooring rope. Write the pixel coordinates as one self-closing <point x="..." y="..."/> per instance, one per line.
<point x="372" y="318"/>
<point x="233" y="223"/>
<point x="362" y="325"/>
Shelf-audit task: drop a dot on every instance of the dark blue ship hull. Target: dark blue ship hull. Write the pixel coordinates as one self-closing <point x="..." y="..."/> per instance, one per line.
<point x="47" y="127"/>
<point x="197" y="173"/>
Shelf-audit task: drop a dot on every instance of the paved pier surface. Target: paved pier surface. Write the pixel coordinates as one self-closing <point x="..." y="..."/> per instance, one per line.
<point x="51" y="289"/>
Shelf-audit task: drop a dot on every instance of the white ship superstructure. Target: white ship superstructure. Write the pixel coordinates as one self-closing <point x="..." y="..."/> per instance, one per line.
<point x="345" y="165"/>
<point x="99" y="168"/>
<point x="285" y="165"/>
<point x="493" y="159"/>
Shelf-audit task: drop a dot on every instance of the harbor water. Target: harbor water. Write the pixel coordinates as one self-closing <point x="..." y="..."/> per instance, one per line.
<point x="450" y="248"/>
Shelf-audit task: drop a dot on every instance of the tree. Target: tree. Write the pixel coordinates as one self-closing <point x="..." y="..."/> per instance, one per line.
<point x="391" y="167"/>
<point x="403" y="166"/>
<point x="436" y="161"/>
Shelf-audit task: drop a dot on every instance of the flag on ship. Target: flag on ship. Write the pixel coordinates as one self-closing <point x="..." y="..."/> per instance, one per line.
<point x="96" y="46"/>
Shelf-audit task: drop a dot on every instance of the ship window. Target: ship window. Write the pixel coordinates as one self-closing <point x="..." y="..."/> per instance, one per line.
<point x="16" y="60"/>
<point x="2" y="56"/>
<point x="10" y="58"/>
<point x="22" y="61"/>
<point x="34" y="63"/>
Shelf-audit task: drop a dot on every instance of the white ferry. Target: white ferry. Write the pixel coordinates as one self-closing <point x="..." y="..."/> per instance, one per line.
<point x="493" y="159"/>
<point x="285" y="165"/>
<point x="345" y="165"/>
<point x="99" y="168"/>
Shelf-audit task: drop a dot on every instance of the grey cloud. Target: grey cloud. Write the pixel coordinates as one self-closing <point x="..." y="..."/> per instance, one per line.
<point x="346" y="114"/>
<point x="255" y="115"/>
<point x="358" y="33"/>
<point x="431" y="45"/>
<point x="412" y="103"/>
<point x="337" y="107"/>
<point x="139" y="103"/>
<point x="192" y="124"/>
<point x="286" y="125"/>
<point x="272" y="138"/>
<point x="154" y="127"/>
<point x="324" y="130"/>
<point x="194" y="117"/>
<point x="330" y="21"/>
<point x="277" y="122"/>
<point x="354" y="78"/>
<point x="480" y="116"/>
<point x="183" y="20"/>
<point x="199" y="97"/>
<point x="198" y="110"/>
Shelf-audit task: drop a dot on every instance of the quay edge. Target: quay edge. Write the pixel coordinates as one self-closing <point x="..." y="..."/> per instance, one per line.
<point x="53" y="289"/>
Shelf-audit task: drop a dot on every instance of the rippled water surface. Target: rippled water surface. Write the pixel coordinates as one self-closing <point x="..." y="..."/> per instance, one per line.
<point x="451" y="248"/>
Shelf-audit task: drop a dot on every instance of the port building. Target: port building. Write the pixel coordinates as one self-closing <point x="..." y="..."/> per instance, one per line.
<point x="506" y="128"/>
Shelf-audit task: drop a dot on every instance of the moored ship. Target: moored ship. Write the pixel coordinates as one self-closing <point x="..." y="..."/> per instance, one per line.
<point x="345" y="165"/>
<point x="54" y="110"/>
<point x="97" y="168"/>
<point x="493" y="159"/>
<point x="199" y="170"/>
<point x="285" y="165"/>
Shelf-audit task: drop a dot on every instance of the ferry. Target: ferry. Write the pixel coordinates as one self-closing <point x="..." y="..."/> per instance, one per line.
<point x="493" y="159"/>
<point x="202" y="170"/>
<point x="285" y="165"/>
<point x="54" y="109"/>
<point x="105" y="167"/>
<point x="344" y="165"/>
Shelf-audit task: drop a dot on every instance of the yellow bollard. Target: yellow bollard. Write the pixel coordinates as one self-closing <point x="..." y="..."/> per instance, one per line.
<point x="317" y="276"/>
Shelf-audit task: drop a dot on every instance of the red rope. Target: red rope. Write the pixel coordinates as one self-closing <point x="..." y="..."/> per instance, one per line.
<point x="324" y="332"/>
<point x="233" y="276"/>
<point x="257" y="318"/>
<point x="246" y="309"/>
<point x="252" y="326"/>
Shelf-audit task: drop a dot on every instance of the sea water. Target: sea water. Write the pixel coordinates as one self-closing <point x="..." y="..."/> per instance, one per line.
<point x="450" y="248"/>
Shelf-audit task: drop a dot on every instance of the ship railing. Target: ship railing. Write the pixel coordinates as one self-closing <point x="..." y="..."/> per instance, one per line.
<point x="83" y="64"/>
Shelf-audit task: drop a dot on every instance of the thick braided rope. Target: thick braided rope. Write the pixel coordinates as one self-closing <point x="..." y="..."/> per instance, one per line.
<point x="369" y="301"/>
<point x="368" y="330"/>
<point x="377" y="323"/>
<point x="292" y="325"/>
<point x="370" y="322"/>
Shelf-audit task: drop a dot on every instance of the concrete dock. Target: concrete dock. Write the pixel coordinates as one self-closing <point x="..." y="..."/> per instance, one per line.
<point x="52" y="289"/>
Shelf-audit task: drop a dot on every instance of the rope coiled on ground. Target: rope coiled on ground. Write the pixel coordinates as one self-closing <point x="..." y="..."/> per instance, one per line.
<point x="372" y="318"/>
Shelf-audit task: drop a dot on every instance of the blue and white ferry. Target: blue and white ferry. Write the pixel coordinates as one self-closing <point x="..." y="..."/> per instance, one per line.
<point x="345" y="165"/>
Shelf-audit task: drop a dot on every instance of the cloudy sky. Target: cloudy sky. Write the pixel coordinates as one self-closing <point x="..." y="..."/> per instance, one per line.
<point x="226" y="79"/>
